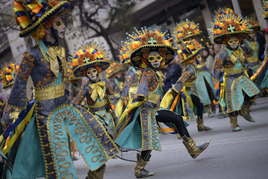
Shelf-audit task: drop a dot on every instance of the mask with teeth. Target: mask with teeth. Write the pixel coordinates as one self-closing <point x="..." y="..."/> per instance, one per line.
<point x="155" y="59"/>
<point x="233" y="43"/>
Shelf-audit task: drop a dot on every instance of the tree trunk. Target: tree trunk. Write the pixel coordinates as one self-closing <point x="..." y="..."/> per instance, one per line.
<point x="110" y="44"/>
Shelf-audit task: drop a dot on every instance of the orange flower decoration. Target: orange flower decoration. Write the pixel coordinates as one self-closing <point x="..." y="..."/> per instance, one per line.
<point x="228" y="24"/>
<point x="186" y="29"/>
<point x="8" y="74"/>
<point x="91" y="54"/>
<point x="188" y="49"/>
<point x="140" y="42"/>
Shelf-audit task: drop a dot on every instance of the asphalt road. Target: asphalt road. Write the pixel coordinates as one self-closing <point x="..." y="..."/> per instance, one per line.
<point x="240" y="155"/>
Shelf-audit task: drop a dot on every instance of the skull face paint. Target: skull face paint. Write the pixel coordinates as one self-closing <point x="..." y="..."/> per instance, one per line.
<point x="155" y="59"/>
<point x="59" y="26"/>
<point x="233" y="43"/>
<point x="93" y="74"/>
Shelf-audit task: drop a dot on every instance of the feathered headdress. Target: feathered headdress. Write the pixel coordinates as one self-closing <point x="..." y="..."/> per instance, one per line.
<point x="188" y="49"/>
<point x="186" y="29"/>
<point x="124" y="52"/>
<point x="223" y="11"/>
<point x="141" y="42"/>
<point x="228" y="25"/>
<point x="8" y="74"/>
<point x="115" y="68"/>
<point x="89" y="55"/>
<point x="31" y="13"/>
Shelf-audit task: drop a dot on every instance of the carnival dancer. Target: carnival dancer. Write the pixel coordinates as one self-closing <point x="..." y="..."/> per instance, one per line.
<point x="131" y="80"/>
<point x="45" y="122"/>
<point x="149" y="50"/>
<point x="115" y="75"/>
<point x="251" y="48"/>
<point x="200" y="90"/>
<point x="89" y="61"/>
<point x="230" y="29"/>
<point x="217" y="70"/>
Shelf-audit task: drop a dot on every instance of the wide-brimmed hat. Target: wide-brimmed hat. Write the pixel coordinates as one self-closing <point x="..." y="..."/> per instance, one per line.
<point x="229" y="25"/>
<point x="90" y="55"/>
<point x="141" y="42"/>
<point x="31" y="13"/>
<point x="116" y="68"/>
<point x="189" y="49"/>
<point x="124" y="53"/>
<point x="223" y="11"/>
<point x="185" y="30"/>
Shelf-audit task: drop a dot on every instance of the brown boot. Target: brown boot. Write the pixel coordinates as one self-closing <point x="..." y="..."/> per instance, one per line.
<point x="192" y="148"/>
<point x="244" y="112"/>
<point x="140" y="172"/>
<point x="234" y="124"/>
<point x="97" y="174"/>
<point x="201" y="126"/>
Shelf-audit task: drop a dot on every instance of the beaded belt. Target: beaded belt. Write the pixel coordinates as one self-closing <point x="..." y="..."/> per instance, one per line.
<point x="252" y="59"/>
<point x="228" y="71"/>
<point x="50" y="92"/>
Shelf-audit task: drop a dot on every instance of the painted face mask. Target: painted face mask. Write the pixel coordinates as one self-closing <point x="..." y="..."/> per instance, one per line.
<point x="155" y="59"/>
<point x="233" y="43"/>
<point x="93" y="74"/>
<point x="59" y="26"/>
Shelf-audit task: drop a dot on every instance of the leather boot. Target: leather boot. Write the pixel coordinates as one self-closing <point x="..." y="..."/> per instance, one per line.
<point x="201" y="126"/>
<point x="140" y="172"/>
<point x="244" y="112"/>
<point x="97" y="174"/>
<point x="234" y="124"/>
<point x="192" y="148"/>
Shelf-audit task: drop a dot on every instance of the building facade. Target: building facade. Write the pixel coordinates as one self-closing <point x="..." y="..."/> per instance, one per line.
<point x="161" y="13"/>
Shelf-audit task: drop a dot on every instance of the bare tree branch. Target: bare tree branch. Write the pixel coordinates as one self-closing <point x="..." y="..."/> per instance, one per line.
<point x="101" y="22"/>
